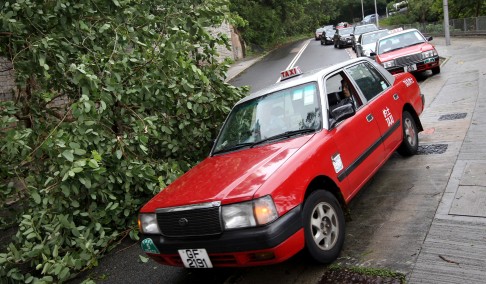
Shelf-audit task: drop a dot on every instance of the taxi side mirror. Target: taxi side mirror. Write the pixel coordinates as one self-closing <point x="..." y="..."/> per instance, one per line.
<point x="372" y="53"/>
<point x="430" y="38"/>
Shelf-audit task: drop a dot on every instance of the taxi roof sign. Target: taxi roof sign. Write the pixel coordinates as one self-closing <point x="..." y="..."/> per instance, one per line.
<point x="287" y="74"/>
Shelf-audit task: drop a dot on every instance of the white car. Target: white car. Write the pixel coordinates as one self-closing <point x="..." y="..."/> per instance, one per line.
<point x="367" y="42"/>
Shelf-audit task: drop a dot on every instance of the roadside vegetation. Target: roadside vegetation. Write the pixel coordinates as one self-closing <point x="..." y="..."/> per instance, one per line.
<point x="116" y="99"/>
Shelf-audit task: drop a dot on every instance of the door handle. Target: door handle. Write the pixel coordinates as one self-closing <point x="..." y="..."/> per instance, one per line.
<point x="369" y="117"/>
<point x="395" y="97"/>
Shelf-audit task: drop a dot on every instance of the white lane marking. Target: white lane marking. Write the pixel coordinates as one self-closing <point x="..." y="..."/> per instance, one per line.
<point x="296" y="58"/>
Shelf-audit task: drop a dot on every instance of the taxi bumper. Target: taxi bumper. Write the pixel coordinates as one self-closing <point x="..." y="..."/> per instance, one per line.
<point x="270" y="244"/>
<point x="421" y="66"/>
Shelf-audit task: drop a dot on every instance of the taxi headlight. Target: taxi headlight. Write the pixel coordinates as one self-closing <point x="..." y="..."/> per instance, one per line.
<point x="389" y="64"/>
<point x="147" y="223"/>
<point x="249" y="214"/>
<point x="429" y="53"/>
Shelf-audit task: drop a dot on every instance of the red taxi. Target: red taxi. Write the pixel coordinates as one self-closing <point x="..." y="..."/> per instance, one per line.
<point x="407" y="51"/>
<point x="283" y="168"/>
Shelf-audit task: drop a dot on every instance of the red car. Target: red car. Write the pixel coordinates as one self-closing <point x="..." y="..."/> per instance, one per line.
<point x="283" y="168"/>
<point x="407" y="51"/>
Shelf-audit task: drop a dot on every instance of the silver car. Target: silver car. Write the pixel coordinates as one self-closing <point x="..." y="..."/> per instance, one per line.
<point x="367" y="42"/>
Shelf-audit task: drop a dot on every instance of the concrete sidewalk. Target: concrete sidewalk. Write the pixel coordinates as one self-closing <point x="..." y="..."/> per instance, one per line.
<point x="454" y="250"/>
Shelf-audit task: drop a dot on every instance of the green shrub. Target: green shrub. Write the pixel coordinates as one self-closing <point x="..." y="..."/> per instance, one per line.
<point x="114" y="100"/>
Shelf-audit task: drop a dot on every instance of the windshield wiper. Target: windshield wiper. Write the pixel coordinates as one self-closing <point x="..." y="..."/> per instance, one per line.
<point x="414" y="44"/>
<point x="234" y="147"/>
<point x="275" y="137"/>
<point x="285" y="135"/>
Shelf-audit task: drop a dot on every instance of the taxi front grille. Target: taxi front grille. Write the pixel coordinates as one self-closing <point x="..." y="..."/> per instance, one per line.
<point x="408" y="59"/>
<point x="190" y="223"/>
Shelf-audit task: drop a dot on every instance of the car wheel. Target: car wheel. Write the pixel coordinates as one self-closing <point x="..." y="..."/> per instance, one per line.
<point x="322" y="43"/>
<point x="436" y="70"/>
<point x="335" y="46"/>
<point x="323" y="226"/>
<point x="410" y="140"/>
<point x="339" y="45"/>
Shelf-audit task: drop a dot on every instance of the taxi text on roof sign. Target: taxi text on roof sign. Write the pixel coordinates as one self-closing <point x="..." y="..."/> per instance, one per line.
<point x="286" y="74"/>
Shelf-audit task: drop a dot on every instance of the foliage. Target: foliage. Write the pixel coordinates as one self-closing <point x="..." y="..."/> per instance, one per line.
<point x="271" y="20"/>
<point x="114" y="100"/>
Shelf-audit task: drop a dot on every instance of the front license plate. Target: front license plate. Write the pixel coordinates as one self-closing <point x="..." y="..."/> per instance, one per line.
<point x="410" y="68"/>
<point x="195" y="258"/>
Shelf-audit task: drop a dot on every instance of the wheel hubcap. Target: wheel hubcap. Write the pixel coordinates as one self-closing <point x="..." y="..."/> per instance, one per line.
<point x="410" y="132"/>
<point x="324" y="226"/>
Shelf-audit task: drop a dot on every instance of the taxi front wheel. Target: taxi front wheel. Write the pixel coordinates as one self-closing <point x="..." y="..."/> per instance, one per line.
<point x="323" y="221"/>
<point x="410" y="140"/>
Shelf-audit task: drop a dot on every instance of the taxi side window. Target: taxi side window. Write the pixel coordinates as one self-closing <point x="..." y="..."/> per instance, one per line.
<point x="369" y="80"/>
<point x="341" y="91"/>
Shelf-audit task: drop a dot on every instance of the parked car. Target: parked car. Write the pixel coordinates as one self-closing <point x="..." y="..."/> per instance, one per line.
<point x="320" y="30"/>
<point x="283" y="168"/>
<point x="367" y="42"/>
<point x="361" y="29"/>
<point x="370" y="19"/>
<point x="342" y="37"/>
<point x="327" y="37"/>
<point x="407" y="51"/>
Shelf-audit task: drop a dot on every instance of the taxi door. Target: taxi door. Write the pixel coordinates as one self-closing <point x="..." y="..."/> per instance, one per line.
<point x="384" y="102"/>
<point x="357" y="139"/>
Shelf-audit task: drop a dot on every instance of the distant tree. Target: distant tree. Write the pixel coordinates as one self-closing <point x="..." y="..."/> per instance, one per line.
<point x="268" y="21"/>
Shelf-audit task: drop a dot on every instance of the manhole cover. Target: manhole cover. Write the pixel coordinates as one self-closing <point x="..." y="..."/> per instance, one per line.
<point x="453" y="116"/>
<point x="432" y="149"/>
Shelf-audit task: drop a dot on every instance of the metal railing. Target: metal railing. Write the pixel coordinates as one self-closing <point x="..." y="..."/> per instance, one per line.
<point x="458" y="27"/>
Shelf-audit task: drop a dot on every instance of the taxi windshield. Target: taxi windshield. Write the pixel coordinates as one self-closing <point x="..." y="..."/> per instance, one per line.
<point x="399" y="41"/>
<point x="282" y="114"/>
<point x="373" y="37"/>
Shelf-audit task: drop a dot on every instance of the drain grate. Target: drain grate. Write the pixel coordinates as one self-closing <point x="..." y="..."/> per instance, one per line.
<point x="453" y="116"/>
<point x="432" y="149"/>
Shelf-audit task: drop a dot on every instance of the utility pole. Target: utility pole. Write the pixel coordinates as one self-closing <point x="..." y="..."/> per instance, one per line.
<point x="376" y="12"/>
<point x="362" y="10"/>
<point x="446" y="23"/>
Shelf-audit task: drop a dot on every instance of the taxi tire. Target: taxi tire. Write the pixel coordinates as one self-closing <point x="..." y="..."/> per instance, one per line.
<point x="332" y="222"/>
<point x="436" y="70"/>
<point x="409" y="146"/>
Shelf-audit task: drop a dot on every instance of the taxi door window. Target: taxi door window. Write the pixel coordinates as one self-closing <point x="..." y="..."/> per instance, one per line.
<point x="340" y="91"/>
<point x="369" y="80"/>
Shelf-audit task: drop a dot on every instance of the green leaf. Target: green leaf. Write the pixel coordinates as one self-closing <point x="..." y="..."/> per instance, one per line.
<point x="68" y="154"/>
<point x="79" y="152"/>
<point x="93" y="164"/>
<point x="77" y="170"/>
<point x="55" y="251"/>
<point x="37" y="199"/>
<point x="143" y="259"/>
<point x="118" y="154"/>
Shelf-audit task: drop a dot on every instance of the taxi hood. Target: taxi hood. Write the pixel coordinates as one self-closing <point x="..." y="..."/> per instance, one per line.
<point x="405" y="51"/>
<point x="230" y="177"/>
